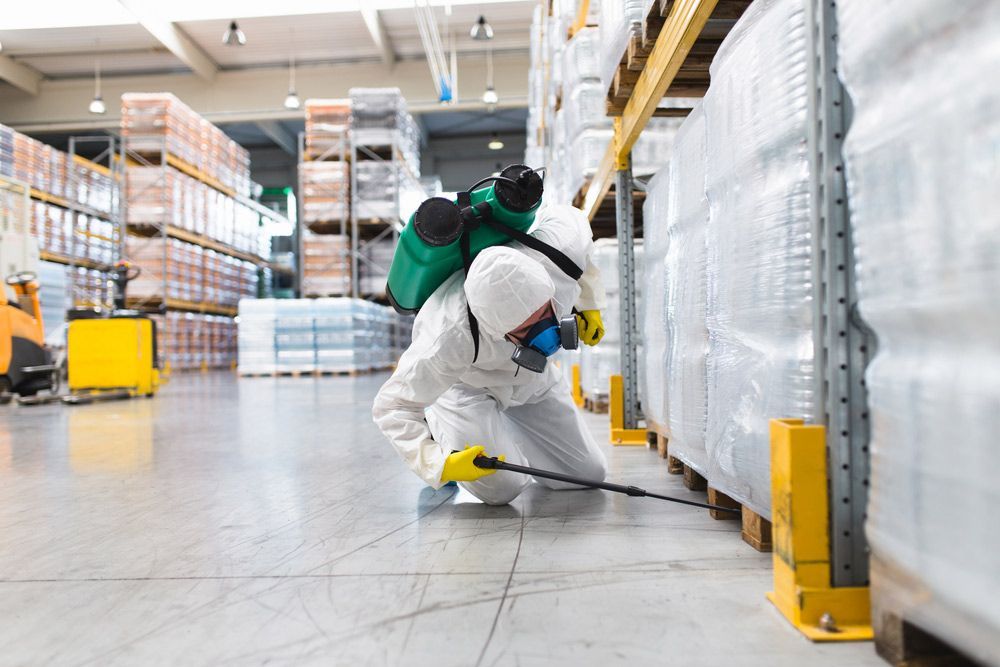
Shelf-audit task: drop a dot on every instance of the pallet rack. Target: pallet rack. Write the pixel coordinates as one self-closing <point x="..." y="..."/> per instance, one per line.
<point x="687" y="33"/>
<point x="324" y="141"/>
<point x="103" y="163"/>
<point x="370" y="225"/>
<point x="148" y="231"/>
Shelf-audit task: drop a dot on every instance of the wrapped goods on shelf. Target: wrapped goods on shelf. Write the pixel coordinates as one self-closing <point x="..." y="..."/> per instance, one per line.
<point x="379" y="118"/>
<point x="157" y="123"/>
<point x="327" y="122"/>
<point x="653" y="148"/>
<point x="580" y="59"/>
<point x="684" y="306"/>
<point x="584" y="105"/>
<point x="90" y="288"/>
<point x="189" y="341"/>
<point x="326" y="264"/>
<point x="600" y="362"/>
<point x="652" y="316"/>
<point x="173" y="269"/>
<point x="619" y="21"/>
<point x="585" y="156"/>
<point x="325" y="191"/>
<point x="159" y="197"/>
<point x="760" y="363"/>
<point x="922" y="174"/>
<point x="6" y="151"/>
<point x="375" y="270"/>
<point x="378" y="183"/>
<point x="53" y="172"/>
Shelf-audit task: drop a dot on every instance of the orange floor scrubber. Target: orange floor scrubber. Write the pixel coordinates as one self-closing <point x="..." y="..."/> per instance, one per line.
<point x="26" y="365"/>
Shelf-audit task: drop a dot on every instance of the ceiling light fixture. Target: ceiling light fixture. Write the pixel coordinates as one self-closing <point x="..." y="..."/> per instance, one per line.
<point x="495" y="143"/>
<point x="97" y="105"/>
<point x="233" y="35"/>
<point x="490" y="97"/>
<point x="481" y="30"/>
<point x="292" y="99"/>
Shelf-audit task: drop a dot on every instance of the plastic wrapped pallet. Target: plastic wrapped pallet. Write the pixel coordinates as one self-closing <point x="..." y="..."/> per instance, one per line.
<point x="620" y="20"/>
<point x="584" y="107"/>
<point x="760" y="360"/>
<point x="922" y="175"/>
<point x="653" y="148"/>
<point x="652" y="316"/>
<point x="580" y="58"/>
<point x="326" y="266"/>
<point x="586" y="152"/>
<point x="685" y="223"/>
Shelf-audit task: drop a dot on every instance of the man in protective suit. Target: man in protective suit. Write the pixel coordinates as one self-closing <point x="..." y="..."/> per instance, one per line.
<point x="446" y="403"/>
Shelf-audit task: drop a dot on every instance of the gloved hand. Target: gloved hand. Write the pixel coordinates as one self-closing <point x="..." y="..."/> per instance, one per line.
<point x="458" y="467"/>
<point x="591" y="327"/>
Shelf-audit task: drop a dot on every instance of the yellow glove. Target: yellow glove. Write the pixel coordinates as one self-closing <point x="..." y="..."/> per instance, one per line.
<point x="591" y="327"/>
<point x="458" y="467"/>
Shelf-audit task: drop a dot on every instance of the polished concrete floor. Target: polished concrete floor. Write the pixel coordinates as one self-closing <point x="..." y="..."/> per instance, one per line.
<point x="263" y="521"/>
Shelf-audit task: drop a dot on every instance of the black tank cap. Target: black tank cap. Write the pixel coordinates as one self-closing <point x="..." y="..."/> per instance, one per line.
<point x="523" y="198"/>
<point x="438" y="222"/>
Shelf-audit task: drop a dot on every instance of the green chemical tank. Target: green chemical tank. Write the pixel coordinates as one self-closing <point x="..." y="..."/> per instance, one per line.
<point x="430" y="247"/>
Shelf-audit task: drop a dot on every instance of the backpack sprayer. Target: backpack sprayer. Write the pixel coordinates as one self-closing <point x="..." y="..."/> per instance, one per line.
<point x="444" y="236"/>
<point x="493" y="463"/>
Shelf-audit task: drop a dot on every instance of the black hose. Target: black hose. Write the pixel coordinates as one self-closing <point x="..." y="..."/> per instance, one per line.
<point x="489" y="462"/>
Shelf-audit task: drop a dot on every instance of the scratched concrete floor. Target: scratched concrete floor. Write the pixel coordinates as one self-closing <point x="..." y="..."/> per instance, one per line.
<point x="261" y="521"/>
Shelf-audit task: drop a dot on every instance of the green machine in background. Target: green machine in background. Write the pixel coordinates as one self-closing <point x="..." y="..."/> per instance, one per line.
<point x="443" y="236"/>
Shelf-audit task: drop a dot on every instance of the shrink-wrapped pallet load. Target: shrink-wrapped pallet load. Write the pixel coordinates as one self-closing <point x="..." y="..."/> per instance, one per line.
<point x="619" y="21"/>
<point x="652" y="314"/>
<point x="922" y="175"/>
<point x="685" y="301"/>
<point x="760" y="361"/>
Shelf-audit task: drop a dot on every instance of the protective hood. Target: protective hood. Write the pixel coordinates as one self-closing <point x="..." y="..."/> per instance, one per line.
<point x="504" y="287"/>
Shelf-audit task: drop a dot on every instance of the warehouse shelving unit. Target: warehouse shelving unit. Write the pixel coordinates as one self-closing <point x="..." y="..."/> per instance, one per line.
<point x="371" y="224"/>
<point x="324" y="141"/>
<point x="164" y="161"/>
<point x="105" y="163"/>
<point x="830" y="593"/>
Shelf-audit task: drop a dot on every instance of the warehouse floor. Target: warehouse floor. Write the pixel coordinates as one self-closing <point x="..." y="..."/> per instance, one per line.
<point x="265" y="520"/>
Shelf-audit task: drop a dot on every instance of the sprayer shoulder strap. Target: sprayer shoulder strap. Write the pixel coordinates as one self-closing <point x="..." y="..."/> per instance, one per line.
<point x="565" y="264"/>
<point x="464" y="200"/>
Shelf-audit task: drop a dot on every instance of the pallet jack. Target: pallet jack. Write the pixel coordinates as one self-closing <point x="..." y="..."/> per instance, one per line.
<point x="112" y="355"/>
<point x="26" y="365"/>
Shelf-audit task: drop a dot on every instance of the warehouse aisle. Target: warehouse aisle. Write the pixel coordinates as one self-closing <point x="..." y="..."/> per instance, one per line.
<point x="258" y="521"/>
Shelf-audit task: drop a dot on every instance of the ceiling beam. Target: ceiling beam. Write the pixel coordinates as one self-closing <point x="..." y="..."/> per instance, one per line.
<point x="19" y="75"/>
<point x="174" y="40"/>
<point x="277" y="133"/>
<point x="376" y="28"/>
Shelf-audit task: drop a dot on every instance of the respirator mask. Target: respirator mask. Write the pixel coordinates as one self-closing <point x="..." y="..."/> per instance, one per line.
<point x="543" y="340"/>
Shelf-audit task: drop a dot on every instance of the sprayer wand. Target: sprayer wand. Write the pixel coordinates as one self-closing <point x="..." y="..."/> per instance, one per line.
<point x="496" y="464"/>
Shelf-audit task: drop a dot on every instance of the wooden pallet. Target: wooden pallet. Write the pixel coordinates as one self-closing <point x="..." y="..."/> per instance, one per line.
<point x="305" y="374"/>
<point x="896" y="599"/>
<point x="755" y="531"/>
<point x="597" y="405"/>
<point x="692" y="78"/>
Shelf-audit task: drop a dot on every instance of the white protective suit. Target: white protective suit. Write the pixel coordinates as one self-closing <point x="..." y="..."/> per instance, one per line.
<point x="528" y="417"/>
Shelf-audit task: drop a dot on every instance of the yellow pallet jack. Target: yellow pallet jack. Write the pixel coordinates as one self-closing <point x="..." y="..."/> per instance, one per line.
<point x="112" y="355"/>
